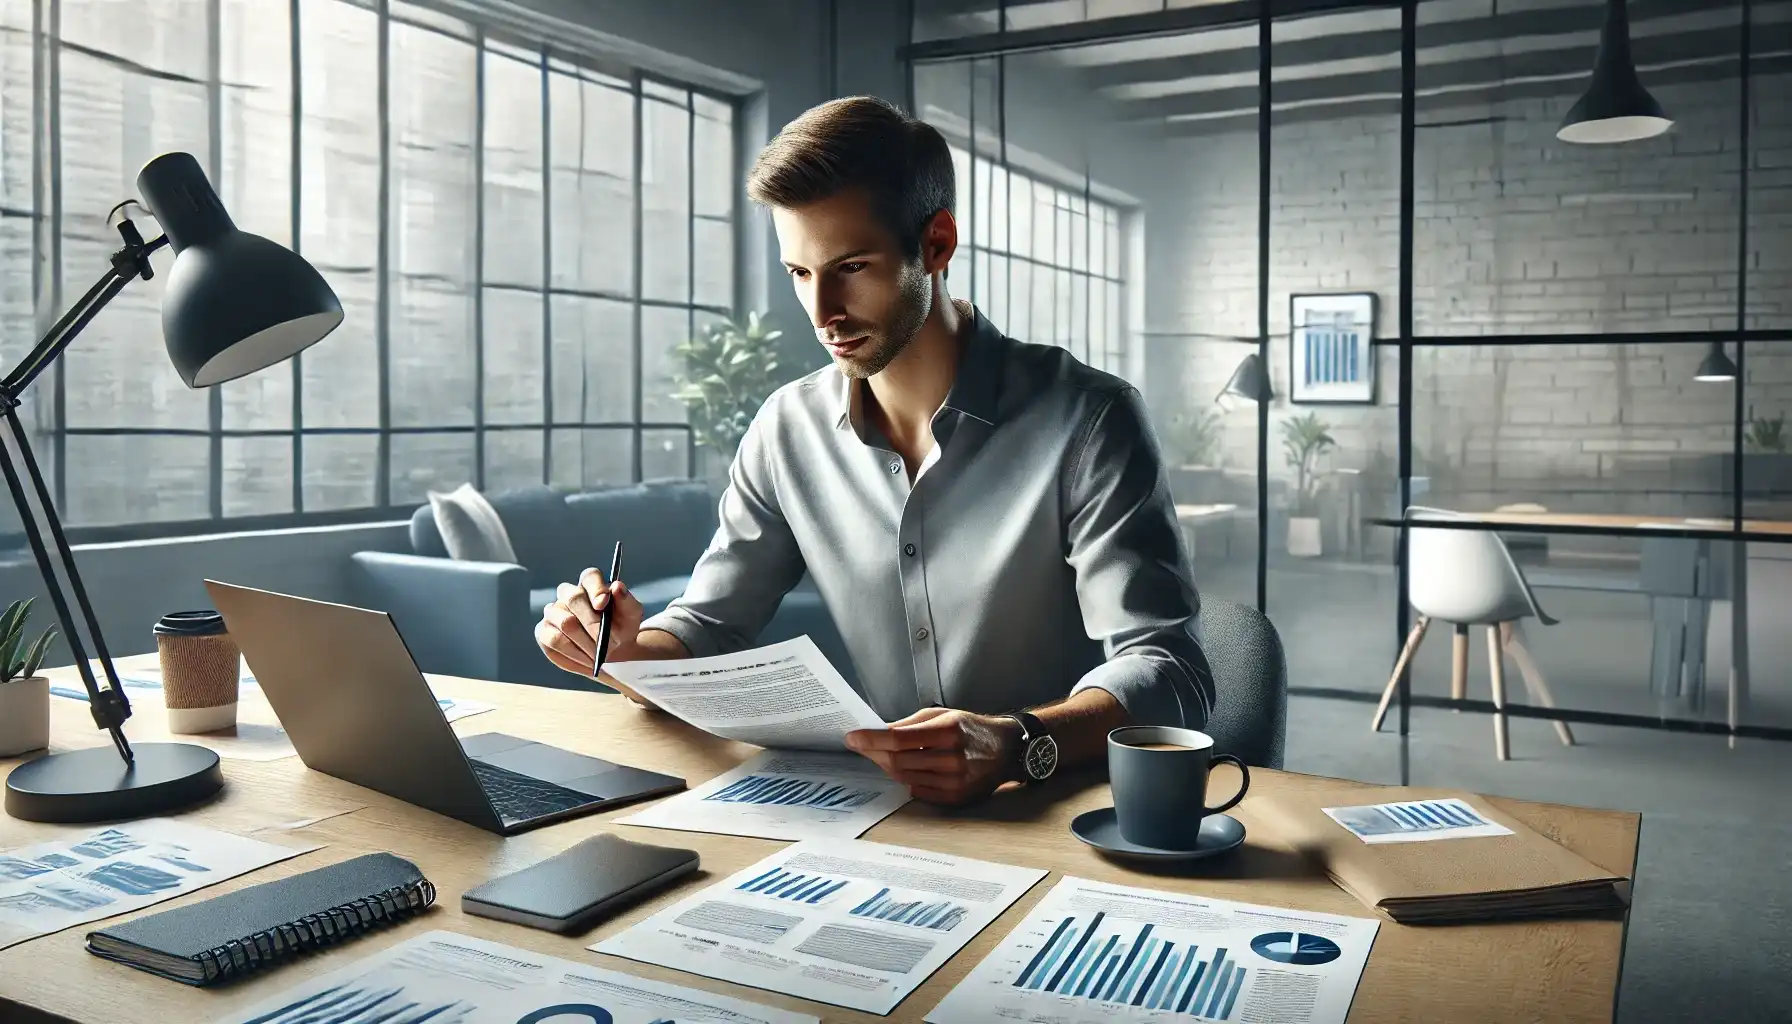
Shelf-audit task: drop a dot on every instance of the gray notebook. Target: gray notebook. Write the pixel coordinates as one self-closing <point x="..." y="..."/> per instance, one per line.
<point x="260" y="925"/>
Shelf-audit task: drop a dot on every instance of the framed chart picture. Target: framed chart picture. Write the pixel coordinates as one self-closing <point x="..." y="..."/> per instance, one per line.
<point x="1331" y="348"/>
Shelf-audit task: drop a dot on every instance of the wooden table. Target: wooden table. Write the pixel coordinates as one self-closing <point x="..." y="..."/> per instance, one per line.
<point x="1193" y="517"/>
<point x="1560" y="970"/>
<point x="1718" y="529"/>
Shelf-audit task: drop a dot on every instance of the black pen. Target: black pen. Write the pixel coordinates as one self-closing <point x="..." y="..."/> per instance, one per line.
<point x="603" y="617"/>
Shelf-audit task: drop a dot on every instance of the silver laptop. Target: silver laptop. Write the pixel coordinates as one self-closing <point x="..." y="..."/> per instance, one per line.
<point x="355" y="705"/>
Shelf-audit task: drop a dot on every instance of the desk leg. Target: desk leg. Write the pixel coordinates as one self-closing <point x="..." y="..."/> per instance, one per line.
<point x="1738" y="690"/>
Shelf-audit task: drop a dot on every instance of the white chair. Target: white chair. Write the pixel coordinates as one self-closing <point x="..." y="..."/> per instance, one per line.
<point x="1466" y="577"/>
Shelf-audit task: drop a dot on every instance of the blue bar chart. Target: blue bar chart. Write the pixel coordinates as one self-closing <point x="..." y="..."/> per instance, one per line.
<point x="1146" y="970"/>
<point x="939" y="915"/>
<point x="788" y="792"/>
<point x="1099" y="953"/>
<point x="787" y="885"/>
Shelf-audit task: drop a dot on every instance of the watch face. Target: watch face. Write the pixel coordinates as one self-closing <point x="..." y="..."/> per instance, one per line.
<point x="1042" y="758"/>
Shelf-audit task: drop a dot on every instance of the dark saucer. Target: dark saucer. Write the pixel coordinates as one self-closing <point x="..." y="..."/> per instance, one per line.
<point x="1101" y="829"/>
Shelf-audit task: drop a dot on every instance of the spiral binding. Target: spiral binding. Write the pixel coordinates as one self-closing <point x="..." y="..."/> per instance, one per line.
<point x="240" y="956"/>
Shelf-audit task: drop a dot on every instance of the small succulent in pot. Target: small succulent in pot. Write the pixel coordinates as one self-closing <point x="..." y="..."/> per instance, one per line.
<point x="19" y="660"/>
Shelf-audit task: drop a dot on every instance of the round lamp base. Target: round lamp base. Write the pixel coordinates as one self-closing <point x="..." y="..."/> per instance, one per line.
<point x="96" y="785"/>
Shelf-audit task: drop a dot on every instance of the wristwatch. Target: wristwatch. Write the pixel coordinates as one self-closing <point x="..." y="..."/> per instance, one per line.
<point x="1038" y="751"/>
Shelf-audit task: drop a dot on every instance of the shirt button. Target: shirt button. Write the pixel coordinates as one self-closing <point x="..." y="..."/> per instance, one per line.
<point x="908" y="549"/>
<point x="895" y="468"/>
<point x="921" y="634"/>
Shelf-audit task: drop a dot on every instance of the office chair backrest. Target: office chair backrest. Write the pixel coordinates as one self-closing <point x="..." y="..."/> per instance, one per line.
<point x="1250" y="677"/>
<point x="1464" y="576"/>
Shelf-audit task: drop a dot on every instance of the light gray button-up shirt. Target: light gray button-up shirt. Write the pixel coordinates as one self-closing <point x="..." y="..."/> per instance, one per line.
<point x="1035" y="554"/>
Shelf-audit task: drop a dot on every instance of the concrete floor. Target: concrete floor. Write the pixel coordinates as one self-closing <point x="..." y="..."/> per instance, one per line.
<point x="1713" y="899"/>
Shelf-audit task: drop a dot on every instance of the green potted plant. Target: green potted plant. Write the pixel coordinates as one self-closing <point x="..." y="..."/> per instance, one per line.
<point x="1766" y="458"/>
<point x="1304" y="439"/>
<point x="24" y="695"/>
<point x="1192" y="451"/>
<point x="725" y="373"/>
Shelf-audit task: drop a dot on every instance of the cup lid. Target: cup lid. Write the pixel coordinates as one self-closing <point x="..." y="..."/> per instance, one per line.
<point x="204" y="622"/>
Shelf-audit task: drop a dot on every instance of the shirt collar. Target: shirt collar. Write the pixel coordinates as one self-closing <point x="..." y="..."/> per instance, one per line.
<point x="975" y="388"/>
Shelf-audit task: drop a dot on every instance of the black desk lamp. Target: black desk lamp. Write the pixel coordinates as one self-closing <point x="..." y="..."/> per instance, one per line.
<point x="234" y="303"/>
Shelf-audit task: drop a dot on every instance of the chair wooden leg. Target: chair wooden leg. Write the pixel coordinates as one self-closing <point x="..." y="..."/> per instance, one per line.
<point x="1412" y="646"/>
<point x="1459" y="664"/>
<point x="1534" y="682"/>
<point x="1496" y="667"/>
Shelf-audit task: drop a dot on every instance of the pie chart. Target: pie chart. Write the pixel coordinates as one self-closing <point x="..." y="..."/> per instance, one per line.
<point x="1296" y="948"/>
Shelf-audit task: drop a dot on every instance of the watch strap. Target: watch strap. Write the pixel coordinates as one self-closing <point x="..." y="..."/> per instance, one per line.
<point x="1031" y="729"/>
<point x="1030" y="726"/>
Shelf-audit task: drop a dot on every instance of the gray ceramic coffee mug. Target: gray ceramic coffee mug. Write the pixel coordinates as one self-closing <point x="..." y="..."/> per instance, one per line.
<point x="1160" y="795"/>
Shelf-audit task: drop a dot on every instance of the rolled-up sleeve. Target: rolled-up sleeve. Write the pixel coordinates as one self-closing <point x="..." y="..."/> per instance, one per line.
<point x="750" y="564"/>
<point x="1132" y="578"/>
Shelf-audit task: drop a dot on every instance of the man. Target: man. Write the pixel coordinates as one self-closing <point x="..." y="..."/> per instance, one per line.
<point x="988" y="521"/>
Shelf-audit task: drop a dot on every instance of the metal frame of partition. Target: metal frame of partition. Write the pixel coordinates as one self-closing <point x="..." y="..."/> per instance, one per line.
<point x="1264" y="13"/>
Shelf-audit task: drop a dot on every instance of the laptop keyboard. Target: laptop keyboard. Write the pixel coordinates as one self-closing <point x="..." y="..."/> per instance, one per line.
<point x="520" y="798"/>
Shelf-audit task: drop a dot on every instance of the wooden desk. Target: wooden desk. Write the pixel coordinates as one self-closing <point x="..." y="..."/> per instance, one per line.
<point x="1722" y="529"/>
<point x="1561" y="970"/>
<point x="1193" y="518"/>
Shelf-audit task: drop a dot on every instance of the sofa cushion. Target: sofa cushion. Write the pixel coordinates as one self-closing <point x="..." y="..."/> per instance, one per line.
<point x="426" y="540"/>
<point x="470" y="527"/>
<point x="541" y="530"/>
<point x="664" y="526"/>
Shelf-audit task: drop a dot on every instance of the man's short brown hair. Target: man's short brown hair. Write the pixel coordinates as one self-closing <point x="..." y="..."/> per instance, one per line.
<point x="862" y="142"/>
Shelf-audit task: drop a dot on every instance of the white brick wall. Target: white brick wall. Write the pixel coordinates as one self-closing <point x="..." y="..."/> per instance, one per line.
<point x="1515" y="233"/>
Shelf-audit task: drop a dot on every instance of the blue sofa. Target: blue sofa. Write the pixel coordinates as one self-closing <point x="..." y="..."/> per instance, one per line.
<point x="478" y="619"/>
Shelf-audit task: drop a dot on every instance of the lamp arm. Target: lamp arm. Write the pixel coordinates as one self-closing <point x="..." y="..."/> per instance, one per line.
<point x="129" y="262"/>
<point x="109" y="706"/>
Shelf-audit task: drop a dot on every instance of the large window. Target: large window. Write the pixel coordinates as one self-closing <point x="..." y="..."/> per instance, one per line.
<point x="1044" y="262"/>
<point x="520" y="237"/>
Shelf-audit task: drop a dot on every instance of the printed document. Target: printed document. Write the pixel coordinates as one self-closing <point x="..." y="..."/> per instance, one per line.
<point x="784" y="794"/>
<point x="56" y="885"/>
<point x="1091" y="953"/>
<point x="784" y="695"/>
<point x="1415" y="821"/>
<point x="446" y="978"/>
<point x="838" y="921"/>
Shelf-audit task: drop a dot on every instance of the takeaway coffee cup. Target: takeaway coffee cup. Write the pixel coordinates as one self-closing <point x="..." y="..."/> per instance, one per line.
<point x="199" y="671"/>
<point x="1159" y="779"/>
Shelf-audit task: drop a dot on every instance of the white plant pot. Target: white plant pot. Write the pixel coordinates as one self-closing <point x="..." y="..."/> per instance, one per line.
<point x="24" y="715"/>
<point x="1303" y="536"/>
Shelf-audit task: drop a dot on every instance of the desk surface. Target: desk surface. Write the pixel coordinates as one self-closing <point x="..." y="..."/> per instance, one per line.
<point x="1619" y="524"/>
<point x="1559" y="970"/>
<point x="1204" y="511"/>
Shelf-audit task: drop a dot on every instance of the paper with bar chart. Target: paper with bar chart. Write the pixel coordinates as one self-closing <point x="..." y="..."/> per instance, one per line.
<point x="785" y="695"/>
<point x="838" y="921"/>
<point x="1416" y="821"/>
<point x="444" y="978"/>
<point x="60" y="884"/>
<point x="784" y="794"/>
<point x="1091" y="952"/>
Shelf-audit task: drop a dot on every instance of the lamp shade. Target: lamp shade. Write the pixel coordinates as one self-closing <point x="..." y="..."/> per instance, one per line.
<point x="1250" y="380"/>
<point x="234" y="302"/>
<point x="1716" y="366"/>
<point x="1615" y="107"/>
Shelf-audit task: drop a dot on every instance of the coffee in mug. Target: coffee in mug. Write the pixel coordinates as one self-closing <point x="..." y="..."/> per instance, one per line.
<point x="1159" y="778"/>
<point x="200" y="667"/>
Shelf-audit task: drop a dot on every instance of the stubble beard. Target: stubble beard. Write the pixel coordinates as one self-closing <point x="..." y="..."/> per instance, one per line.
<point x="914" y="302"/>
